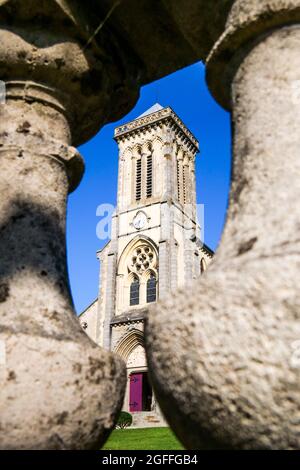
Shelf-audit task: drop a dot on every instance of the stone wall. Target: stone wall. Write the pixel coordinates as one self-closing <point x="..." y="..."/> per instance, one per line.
<point x="88" y="320"/>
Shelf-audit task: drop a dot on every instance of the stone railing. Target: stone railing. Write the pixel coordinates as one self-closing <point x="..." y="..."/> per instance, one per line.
<point x="223" y="353"/>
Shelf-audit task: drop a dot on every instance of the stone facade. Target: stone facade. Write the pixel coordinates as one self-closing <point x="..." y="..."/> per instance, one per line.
<point x="155" y="242"/>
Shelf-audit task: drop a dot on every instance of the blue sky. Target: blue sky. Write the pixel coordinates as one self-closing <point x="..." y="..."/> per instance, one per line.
<point x="186" y="92"/>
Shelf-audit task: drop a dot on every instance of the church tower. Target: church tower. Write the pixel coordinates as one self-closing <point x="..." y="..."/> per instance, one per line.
<point x="155" y="241"/>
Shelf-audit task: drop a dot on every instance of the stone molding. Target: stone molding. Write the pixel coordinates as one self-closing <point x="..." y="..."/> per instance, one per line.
<point x="164" y="115"/>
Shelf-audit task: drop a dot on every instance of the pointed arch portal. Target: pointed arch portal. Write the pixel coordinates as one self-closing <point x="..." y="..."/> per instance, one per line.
<point x="140" y="394"/>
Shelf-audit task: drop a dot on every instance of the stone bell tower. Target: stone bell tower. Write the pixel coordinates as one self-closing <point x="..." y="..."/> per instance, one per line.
<point x="155" y="241"/>
<point x="157" y="195"/>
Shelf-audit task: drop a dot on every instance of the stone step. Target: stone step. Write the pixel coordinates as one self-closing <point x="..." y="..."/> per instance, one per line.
<point x="147" y="419"/>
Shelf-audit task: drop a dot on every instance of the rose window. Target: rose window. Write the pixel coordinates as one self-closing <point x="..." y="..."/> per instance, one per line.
<point x="142" y="259"/>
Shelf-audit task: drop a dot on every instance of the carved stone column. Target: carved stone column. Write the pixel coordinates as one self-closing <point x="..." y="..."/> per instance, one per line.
<point x="57" y="389"/>
<point x="229" y="374"/>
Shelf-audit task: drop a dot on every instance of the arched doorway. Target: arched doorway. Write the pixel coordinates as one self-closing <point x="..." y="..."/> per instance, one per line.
<point x="139" y="394"/>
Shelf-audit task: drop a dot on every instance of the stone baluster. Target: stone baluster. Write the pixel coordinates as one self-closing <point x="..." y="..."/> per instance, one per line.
<point x="228" y="376"/>
<point x="58" y="389"/>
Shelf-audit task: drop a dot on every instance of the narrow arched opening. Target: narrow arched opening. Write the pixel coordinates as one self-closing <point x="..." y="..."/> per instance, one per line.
<point x="151" y="288"/>
<point x="135" y="291"/>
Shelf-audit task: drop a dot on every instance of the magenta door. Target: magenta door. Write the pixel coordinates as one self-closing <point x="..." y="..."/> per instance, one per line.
<point x="136" y="392"/>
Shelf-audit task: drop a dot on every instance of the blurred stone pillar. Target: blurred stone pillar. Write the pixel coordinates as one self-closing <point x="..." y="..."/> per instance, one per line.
<point x="229" y="374"/>
<point x="57" y="389"/>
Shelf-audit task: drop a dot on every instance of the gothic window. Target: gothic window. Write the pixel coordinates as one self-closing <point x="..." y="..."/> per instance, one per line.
<point x="135" y="291"/>
<point x="139" y="275"/>
<point x="142" y="259"/>
<point x="151" y="289"/>
<point x="138" y="187"/>
<point x="149" y="176"/>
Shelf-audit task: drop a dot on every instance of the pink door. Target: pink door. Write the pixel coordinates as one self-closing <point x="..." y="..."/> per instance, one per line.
<point x="136" y="392"/>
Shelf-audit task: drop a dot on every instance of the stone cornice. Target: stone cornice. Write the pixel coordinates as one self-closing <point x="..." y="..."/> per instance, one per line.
<point x="124" y="321"/>
<point x="133" y="316"/>
<point x="165" y="114"/>
<point x="205" y="249"/>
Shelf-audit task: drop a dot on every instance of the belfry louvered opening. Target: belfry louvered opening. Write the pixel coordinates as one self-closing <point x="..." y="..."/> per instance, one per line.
<point x="138" y="188"/>
<point x="149" y="181"/>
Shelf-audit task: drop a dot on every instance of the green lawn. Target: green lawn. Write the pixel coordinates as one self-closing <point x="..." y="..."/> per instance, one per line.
<point x="142" y="439"/>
